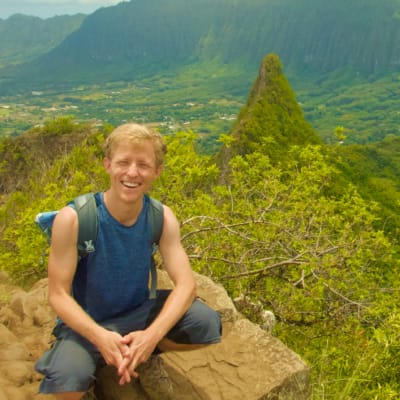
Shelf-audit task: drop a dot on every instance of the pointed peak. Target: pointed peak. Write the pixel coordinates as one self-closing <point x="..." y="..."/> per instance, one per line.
<point x="272" y="120"/>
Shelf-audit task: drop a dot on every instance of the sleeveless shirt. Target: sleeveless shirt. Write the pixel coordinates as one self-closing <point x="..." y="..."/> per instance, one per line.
<point x="114" y="279"/>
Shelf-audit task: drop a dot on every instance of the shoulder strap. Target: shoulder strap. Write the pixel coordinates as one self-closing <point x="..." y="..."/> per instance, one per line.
<point x="85" y="206"/>
<point x="156" y="219"/>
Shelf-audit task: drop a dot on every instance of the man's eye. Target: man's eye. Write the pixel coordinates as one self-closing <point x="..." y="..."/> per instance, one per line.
<point x="143" y="166"/>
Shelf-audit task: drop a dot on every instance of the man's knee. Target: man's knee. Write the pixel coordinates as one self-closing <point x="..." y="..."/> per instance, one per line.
<point x="68" y="367"/>
<point x="200" y="325"/>
<point x="208" y="322"/>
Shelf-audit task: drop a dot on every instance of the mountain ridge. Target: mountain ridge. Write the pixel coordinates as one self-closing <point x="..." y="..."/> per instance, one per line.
<point x="136" y="38"/>
<point x="23" y="38"/>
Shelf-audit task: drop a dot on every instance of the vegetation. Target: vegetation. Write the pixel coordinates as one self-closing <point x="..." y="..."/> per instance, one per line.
<point x="306" y="234"/>
<point x="308" y="228"/>
<point x="311" y="255"/>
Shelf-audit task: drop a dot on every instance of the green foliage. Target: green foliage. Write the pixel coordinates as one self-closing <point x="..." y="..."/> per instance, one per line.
<point x="187" y="176"/>
<point x="59" y="126"/>
<point x="375" y="170"/>
<point x="285" y="238"/>
<point x="283" y="234"/>
<point x="23" y="248"/>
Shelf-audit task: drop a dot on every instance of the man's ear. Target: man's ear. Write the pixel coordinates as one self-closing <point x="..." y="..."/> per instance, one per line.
<point x="106" y="163"/>
<point x="158" y="171"/>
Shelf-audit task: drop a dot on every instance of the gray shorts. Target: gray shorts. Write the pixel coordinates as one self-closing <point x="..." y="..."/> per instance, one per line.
<point x="70" y="364"/>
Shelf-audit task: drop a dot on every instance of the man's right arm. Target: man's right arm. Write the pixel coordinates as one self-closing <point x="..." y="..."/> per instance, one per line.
<point x="62" y="265"/>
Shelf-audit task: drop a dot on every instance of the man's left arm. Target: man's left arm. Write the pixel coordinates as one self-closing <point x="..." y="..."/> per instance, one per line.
<point x="177" y="265"/>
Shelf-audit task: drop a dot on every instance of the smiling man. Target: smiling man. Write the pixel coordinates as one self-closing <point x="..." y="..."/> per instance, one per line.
<point x="106" y="315"/>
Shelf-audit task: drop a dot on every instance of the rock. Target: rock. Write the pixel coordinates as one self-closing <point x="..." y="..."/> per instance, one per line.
<point x="2" y="394"/>
<point x="6" y="336"/>
<point x="16" y="351"/>
<point x="249" y="364"/>
<point x="18" y="373"/>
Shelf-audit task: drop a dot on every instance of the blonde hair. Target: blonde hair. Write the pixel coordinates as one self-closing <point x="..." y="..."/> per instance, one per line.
<point x="135" y="133"/>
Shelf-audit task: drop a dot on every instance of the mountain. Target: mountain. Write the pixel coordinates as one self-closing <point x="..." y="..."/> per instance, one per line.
<point x="137" y="38"/>
<point x="23" y="38"/>
<point x="272" y="120"/>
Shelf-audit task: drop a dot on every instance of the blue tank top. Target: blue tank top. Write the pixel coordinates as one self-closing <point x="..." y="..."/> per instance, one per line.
<point x="114" y="278"/>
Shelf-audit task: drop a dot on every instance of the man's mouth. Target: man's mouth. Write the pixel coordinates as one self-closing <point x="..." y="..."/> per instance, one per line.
<point x="130" y="185"/>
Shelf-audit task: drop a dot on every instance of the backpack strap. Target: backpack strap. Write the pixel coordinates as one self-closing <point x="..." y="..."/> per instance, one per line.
<point x="156" y="219"/>
<point x="86" y="208"/>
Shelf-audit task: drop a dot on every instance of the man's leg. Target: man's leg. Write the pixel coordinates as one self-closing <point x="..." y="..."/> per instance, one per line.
<point x="68" y="366"/>
<point x="199" y="327"/>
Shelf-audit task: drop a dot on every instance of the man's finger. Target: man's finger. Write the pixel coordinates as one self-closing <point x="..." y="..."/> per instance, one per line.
<point x="123" y="366"/>
<point x="125" y="378"/>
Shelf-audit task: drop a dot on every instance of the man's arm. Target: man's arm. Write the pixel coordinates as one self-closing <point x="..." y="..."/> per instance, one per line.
<point x="62" y="264"/>
<point x="176" y="263"/>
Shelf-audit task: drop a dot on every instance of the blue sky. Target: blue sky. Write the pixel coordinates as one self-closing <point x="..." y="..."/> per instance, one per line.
<point x="50" y="8"/>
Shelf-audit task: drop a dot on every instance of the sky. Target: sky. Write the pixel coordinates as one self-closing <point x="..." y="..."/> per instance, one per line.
<point x="50" y="8"/>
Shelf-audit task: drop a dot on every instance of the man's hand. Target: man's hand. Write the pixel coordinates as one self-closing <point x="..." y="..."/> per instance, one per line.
<point x="114" y="350"/>
<point x="140" y="349"/>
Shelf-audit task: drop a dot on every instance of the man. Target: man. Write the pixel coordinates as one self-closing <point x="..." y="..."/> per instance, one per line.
<point x="102" y="301"/>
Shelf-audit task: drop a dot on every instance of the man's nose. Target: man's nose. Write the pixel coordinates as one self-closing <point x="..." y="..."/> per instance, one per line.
<point x="133" y="169"/>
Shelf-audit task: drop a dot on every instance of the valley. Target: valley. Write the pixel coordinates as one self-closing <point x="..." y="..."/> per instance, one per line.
<point x="194" y="102"/>
<point x="207" y="100"/>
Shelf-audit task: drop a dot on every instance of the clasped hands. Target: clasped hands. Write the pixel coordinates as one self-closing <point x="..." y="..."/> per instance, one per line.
<point x="126" y="353"/>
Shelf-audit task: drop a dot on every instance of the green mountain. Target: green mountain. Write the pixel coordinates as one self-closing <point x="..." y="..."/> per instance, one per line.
<point x="272" y="120"/>
<point x="23" y="38"/>
<point x="138" y="38"/>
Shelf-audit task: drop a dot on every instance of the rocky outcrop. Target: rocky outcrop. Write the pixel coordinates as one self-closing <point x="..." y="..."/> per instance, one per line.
<point x="248" y="364"/>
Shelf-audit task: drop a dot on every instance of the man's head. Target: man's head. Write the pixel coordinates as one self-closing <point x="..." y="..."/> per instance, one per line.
<point x="136" y="134"/>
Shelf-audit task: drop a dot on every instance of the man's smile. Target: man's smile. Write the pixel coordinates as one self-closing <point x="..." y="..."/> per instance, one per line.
<point x="130" y="185"/>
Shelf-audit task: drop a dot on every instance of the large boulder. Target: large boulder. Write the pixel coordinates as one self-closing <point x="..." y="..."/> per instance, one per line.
<point x="248" y="364"/>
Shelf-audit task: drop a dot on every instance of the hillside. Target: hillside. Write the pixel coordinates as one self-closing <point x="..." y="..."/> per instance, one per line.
<point x="138" y="38"/>
<point x="375" y="170"/>
<point x="23" y="38"/>
<point x="272" y="120"/>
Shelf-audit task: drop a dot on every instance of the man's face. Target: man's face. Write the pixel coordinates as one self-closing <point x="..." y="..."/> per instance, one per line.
<point x="132" y="169"/>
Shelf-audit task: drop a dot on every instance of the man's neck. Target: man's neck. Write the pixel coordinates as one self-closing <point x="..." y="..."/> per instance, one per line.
<point x="125" y="213"/>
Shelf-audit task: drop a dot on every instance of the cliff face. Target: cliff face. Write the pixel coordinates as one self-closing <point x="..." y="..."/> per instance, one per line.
<point x="249" y="363"/>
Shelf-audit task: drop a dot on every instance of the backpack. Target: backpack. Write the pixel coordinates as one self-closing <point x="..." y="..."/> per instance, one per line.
<point x="86" y="208"/>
